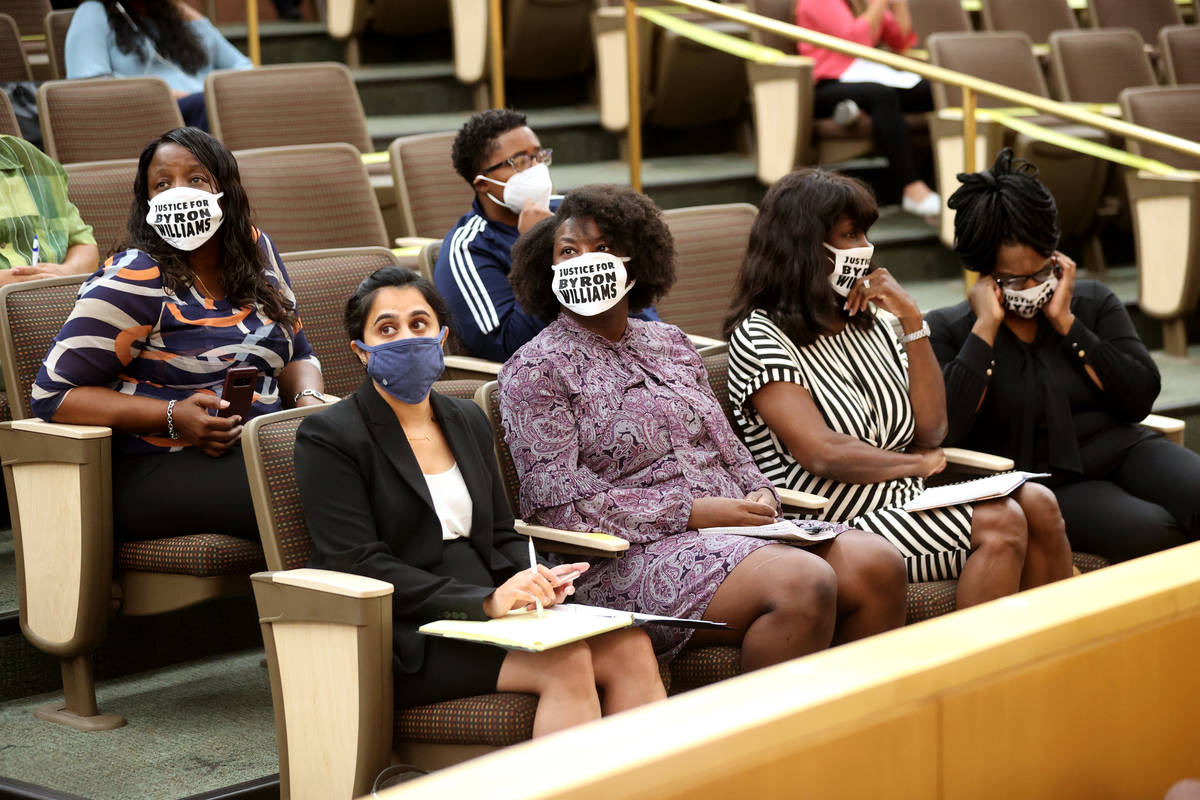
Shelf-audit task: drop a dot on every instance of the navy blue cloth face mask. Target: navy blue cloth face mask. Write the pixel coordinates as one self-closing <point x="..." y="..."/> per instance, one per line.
<point x="406" y="368"/>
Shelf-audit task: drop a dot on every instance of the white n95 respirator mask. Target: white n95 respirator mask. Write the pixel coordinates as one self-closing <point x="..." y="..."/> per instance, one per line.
<point x="528" y="184"/>
<point x="185" y="217"/>
<point x="592" y="283"/>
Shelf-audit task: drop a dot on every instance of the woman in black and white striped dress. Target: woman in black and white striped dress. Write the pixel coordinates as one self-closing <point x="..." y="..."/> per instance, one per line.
<point x="831" y="401"/>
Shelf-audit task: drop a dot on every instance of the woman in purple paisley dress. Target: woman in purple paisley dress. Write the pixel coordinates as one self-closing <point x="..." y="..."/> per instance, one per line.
<point x="613" y="427"/>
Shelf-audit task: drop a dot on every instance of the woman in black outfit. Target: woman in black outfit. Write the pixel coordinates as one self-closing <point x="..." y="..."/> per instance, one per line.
<point x="1049" y="371"/>
<point x="400" y="483"/>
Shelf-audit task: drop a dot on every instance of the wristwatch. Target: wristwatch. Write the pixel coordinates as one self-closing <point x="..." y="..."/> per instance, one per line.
<point x="308" y="393"/>
<point x="919" y="333"/>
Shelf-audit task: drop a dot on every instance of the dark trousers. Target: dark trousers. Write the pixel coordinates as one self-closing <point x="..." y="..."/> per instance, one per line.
<point x="1150" y="502"/>
<point x="194" y="112"/>
<point x="886" y="106"/>
<point x="174" y="494"/>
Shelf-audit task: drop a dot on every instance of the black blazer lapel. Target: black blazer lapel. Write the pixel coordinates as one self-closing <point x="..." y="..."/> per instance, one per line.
<point x="390" y="438"/>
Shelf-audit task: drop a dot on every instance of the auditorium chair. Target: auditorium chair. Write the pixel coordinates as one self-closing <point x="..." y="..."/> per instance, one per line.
<point x="1035" y="18"/>
<point x="1180" y="49"/>
<point x="430" y="194"/>
<point x="13" y="65"/>
<point x="55" y="25"/>
<point x="938" y="16"/>
<point x="8" y="120"/>
<point x="1093" y="66"/>
<point x="427" y="259"/>
<point x="313" y="196"/>
<point x="1147" y="17"/>
<point x="71" y="572"/>
<point x="328" y="638"/>
<point x="29" y="15"/>
<point x="348" y="19"/>
<point x="1166" y="210"/>
<point x="103" y="193"/>
<point x="104" y="118"/>
<point x="291" y="104"/>
<point x="1076" y="180"/>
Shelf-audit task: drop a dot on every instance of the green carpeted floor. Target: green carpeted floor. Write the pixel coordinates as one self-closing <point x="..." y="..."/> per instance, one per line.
<point x="8" y="573"/>
<point x="191" y="729"/>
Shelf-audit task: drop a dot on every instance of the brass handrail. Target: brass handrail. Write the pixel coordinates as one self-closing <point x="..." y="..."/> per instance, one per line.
<point x="970" y="86"/>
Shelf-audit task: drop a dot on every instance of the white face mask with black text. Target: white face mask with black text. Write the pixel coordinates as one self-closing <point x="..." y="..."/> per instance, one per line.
<point x="1028" y="302"/>
<point x="849" y="265"/>
<point x="185" y="217"/>
<point x="592" y="283"/>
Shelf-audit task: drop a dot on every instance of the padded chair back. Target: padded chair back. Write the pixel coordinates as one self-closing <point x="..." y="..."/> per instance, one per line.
<point x="710" y="243"/>
<point x="103" y="193"/>
<point x="1147" y="17"/>
<point x="312" y="197"/>
<point x="430" y="195"/>
<point x="427" y="259"/>
<point x="1170" y="109"/>
<point x="1005" y="58"/>
<point x="104" y="118"/>
<point x="488" y="398"/>
<point x="1037" y="18"/>
<point x="13" y="64"/>
<point x="782" y="10"/>
<point x="268" y="444"/>
<point x="938" y="16"/>
<point x="409" y="17"/>
<point x="28" y="14"/>
<point x="286" y="104"/>
<point x="31" y="315"/>
<point x="1094" y="66"/>
<point x="1180" y="49"/>
<point x="56" y="25"/>
<point x="547" y="38"/>
<point x="323" y="281"/>
<point x="8" y="119"/>
<point x="717" y="367"/>
<point x="693" y="84"/>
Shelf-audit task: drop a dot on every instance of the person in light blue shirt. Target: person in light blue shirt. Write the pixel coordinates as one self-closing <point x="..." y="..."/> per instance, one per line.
<point x="168" y="40"/>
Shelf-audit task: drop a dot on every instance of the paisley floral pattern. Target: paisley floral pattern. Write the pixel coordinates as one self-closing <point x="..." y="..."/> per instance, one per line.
<point x="620" y="437"/>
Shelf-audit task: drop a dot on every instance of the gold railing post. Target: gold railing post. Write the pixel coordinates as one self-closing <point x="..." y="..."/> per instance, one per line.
<point x="968" y="112"/>
<point x="634" y="134"/>
<point x="252" y="43"/>
<point x="496" y="46"/>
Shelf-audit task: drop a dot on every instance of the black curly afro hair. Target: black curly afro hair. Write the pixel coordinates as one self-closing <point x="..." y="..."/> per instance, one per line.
<point x="1006" y="204"/>
<point x="632" y="225"/>
<point x="476" y="139"/>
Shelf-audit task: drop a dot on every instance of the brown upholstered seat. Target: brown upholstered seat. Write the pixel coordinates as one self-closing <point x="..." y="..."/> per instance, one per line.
<point x="8" y="119"/>
<point x="938" y="16"/>
<point x="286" y="104"/>
<point x="1180" y="49"/>
<point x="28" y="15"/>
<point x="1093" y="66"/>
<point x="203" y="555"/>
<point x="1147" y="17"/>
<point x="546" y="39"/>
<point x="103" y="193"/>
<point x="79" y="123"/>
<point x="710" y="242"/>
<point x="1170" y="109"/>
<point x="1036" y="18"/>
<point x="693" y="85"/>
<point x="55" y="25"/>
<point x="427" y="262"/>
<point x="312" y="197"/>
<point x="13" y="66"/>
<point x="430" y="195"/>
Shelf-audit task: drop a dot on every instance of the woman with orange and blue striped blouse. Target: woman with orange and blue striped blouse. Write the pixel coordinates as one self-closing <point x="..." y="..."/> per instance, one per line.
<point x="155" y="329"/>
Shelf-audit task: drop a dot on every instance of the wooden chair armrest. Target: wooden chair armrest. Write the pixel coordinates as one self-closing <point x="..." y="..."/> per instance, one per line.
<point x="414" y="241"/>
<point x="977" y="460"/>
<point x="1164" y="425"/>
<point x="474" y="367"/>
<point x="790" y="498"/>
<point x="343" y="584"/>
<point x="707" y="346"/>
<point x="558" y="540"/>
<point x="61" y="430"/>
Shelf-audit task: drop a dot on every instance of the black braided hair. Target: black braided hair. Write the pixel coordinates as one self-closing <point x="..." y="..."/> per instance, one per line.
<point x="1004" y="205"/>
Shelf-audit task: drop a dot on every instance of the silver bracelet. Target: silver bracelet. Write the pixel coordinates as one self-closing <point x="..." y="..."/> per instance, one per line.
<point x="171" y="432"/>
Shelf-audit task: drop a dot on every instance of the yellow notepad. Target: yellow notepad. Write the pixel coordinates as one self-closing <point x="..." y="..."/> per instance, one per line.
<point x="527" y="632"/>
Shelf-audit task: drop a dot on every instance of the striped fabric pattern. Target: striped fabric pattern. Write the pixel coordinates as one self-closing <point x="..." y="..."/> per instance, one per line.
<point x="858" y="379"/>
<point x="465" y="274"/>
<point x="130" y="333"/>
<point x="33" y="201"/>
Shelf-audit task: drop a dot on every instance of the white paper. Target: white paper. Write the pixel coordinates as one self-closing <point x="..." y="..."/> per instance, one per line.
<point x="863" y="71"/>
<point x="782" y="530"/>
<point x="952" y="494"/>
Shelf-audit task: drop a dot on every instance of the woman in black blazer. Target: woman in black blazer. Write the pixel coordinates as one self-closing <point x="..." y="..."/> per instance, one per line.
<point x="400" y="483"/>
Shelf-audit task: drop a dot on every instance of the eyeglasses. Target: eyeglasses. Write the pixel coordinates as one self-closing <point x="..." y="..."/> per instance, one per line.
<point x="1015" y="282"/>
<point x="523" y="161"/>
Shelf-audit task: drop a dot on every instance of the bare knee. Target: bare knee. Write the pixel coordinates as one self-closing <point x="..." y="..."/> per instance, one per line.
<point x="806" y="588"/>
<point x="998" y="528"/>
<point x="568" y="668"/>
<point x="872" y="563"/>
<point x="1044" y="517"/>
<point x="626" y="653"/>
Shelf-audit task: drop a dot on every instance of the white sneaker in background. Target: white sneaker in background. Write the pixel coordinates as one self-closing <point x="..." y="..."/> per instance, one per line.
<point x="846" y="113"/>
<point x="931" y="206"/>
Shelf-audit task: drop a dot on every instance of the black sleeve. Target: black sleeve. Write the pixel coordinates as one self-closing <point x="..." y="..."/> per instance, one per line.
<point x="341" y="525"/>
<point x="1111" y="347"/>
<point x="967" y="366"/>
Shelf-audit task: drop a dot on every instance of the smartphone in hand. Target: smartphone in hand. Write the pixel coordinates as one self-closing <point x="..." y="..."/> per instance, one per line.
<point x="239" y="391"/>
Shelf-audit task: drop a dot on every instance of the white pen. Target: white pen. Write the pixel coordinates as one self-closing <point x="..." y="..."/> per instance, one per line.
<point x="35" y="251"/>
<point x="534" y="570"/>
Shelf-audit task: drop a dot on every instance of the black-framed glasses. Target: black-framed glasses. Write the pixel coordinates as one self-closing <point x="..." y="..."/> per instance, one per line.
<point x="523" y="161"/>
<point x="1015" y="282"/>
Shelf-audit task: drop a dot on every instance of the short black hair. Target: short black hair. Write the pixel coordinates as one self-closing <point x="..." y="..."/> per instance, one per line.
<point x="359" y="304"/>
<point x="632" y="225"/>
<point x="785" y="271"/>
<point x="1004" y="205"/>
<point x="476" y="139"/>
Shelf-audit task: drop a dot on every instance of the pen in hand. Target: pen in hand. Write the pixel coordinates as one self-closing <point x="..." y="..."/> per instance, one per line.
<point x="36" y="253"/>
<point x="533" y="568"/>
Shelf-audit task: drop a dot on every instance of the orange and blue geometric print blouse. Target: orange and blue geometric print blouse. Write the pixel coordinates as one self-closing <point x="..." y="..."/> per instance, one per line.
<point x="130" y="333"/>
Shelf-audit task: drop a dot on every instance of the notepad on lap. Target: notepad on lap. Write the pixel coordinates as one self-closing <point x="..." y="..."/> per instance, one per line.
<point x="783" y="531"/>
<point x="527" y="632"/>
<point x="989" y="488"/>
